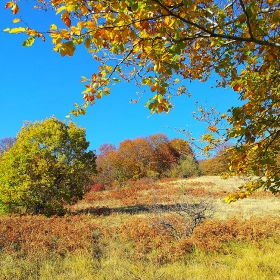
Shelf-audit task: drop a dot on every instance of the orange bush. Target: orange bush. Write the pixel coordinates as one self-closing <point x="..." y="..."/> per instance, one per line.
<point x="210" y="236"/>
<point x="31" y="234"/>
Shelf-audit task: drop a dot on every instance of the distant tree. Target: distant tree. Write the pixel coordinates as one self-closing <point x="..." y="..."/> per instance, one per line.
<point x="105" y="165"/>
<point x="165" y="155"/>
<point x="215" y="165"/>
<point x="105" y="149"/>
<point x="182" y="147"/>
<point x="186" y="167"/>
<point x="47" y="167"/>
<point x="135" y="158"/>
<point x="153" y="157"/>
<point x="6" y="143"/>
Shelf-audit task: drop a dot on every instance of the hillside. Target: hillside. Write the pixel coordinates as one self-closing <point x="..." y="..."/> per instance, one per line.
<point x="144" y="231"/>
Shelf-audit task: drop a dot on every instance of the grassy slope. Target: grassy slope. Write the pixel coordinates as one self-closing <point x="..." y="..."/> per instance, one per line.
<point x="110" y="236"/>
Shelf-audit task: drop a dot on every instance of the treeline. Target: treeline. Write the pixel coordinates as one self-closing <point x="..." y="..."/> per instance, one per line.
<point x="152" y="157"/>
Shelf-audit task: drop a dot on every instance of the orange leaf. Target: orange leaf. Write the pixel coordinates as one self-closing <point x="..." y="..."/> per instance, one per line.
<point x="9" y="5"/>
<point x="84" y="9"/>
<point x="66" y="19"/>
<point x="237" y="87"/>
<point x="242" y="18"/>
<point x="14" y="7"/>
<point x="146" y="25"/>
<point x="56" y="2"/>
<point x="270" y="57"/>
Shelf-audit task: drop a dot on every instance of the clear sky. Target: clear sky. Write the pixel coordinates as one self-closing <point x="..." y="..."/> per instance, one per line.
<point x="36" y="83"/>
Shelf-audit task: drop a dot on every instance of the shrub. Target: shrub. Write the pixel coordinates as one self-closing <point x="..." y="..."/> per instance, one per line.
<point x="47" y="167"/>
<point x="186" y="168"/>
<point x="97" y="188"/>
<point x="180" y="219"/>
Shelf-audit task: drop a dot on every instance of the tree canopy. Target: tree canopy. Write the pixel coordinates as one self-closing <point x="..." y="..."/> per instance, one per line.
<point x="46" y="168"/>
<point x="162" y="43"/>
<point x="151" y="157"/>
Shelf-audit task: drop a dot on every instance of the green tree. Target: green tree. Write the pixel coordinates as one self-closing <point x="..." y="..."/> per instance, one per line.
<point x="160" y="43"/>
<point x="186" y="167"/>
<point x="47" y="167"/>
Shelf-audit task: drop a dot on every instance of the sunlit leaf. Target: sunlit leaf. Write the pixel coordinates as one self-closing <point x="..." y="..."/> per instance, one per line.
<point x="15" y="20"/>
<point x="29" y="42"/>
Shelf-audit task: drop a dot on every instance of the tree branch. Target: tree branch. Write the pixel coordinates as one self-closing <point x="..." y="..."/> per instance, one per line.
<point x="247" y="18"/>
<point x="212" y="34"/>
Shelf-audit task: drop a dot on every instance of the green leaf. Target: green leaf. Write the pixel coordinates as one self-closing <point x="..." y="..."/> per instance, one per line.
<point x="116" y="80"/>
<point x="29" y="42"/>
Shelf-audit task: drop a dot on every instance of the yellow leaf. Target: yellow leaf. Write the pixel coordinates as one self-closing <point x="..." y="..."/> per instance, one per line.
<point x="80" y="25"/>
<point x="90" y="24"/>
<point x="70" y="8"/>
<point x="255" y="147"/>
<point x="193" y="7"/>
<point x="196" y="45"/>
<point x="53" y="27"/>
<point x="108" y="68"/>
<point x="167" y="20"/>
<point x="213" y="128"/>
<point x="60" y="9"/>
<point x="29" y="42"/>
<point x="17" y="30"/>
<point x="15" y="20"/>
<point x="75" y="30"/>
<point x="98" y="41"/>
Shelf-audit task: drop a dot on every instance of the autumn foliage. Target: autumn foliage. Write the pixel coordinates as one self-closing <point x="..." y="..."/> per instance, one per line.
<point x="33" y="237"/>
<point x="216" y="165"/>
<point x="46" y="168"/>
<point x="160" y="44"/>
<point x="151" y="157"/>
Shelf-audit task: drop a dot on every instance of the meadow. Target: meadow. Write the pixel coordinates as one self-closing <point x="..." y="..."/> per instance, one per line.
<point x="139" y="232"/>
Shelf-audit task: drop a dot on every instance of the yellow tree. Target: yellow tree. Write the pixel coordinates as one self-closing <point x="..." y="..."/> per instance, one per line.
<point x="160" y="43"/>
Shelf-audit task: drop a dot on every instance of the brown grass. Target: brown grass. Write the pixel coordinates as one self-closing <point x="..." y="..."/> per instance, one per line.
<point x="29" y="236"/>
<point x="59" y="235"/>
<point x="120" y="225"/>
<point x="172" y="191"/>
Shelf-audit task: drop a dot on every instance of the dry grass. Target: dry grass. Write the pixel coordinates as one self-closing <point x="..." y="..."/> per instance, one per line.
<point x="111" y="235"/>
<point x="212" y="188"/>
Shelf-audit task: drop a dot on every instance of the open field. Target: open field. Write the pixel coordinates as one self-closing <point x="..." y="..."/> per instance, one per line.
<point x="119" y="234"/>
<point x="211" y="188"/>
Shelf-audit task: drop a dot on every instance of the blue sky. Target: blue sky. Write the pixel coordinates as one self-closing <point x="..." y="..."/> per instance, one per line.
<point x="36" y="83"/>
